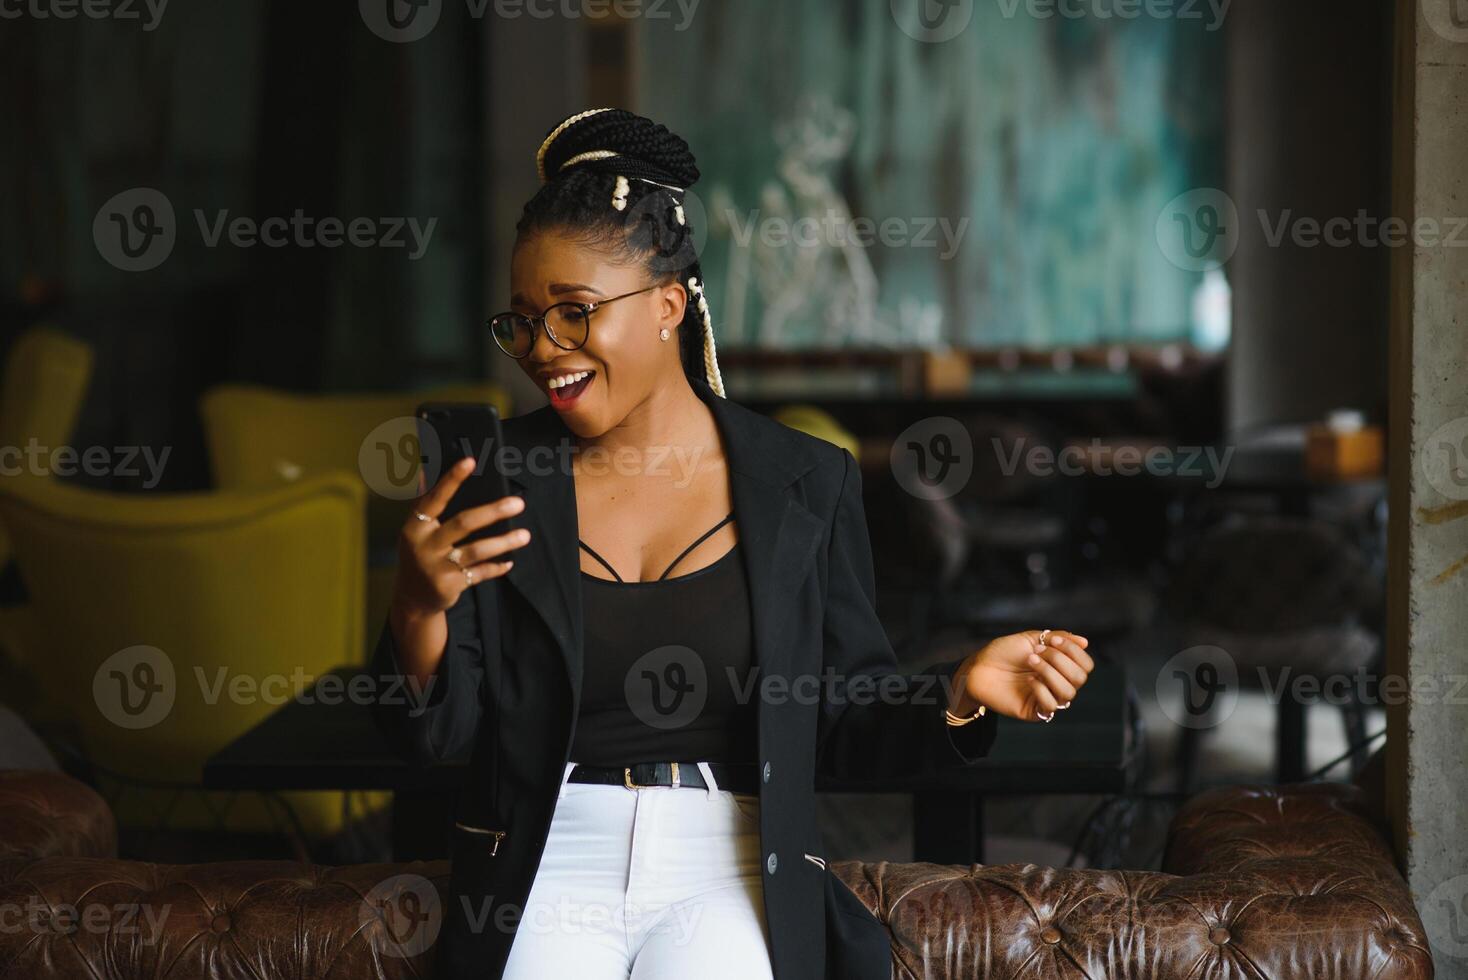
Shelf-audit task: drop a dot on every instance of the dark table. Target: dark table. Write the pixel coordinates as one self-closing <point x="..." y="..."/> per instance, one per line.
<point x="326" y="740"/>
<point x="1279" y="472"/>
<point x="1088" y="749"/>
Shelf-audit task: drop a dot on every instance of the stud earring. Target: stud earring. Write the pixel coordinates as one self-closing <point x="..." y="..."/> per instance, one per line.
<point x="663" y="334"/>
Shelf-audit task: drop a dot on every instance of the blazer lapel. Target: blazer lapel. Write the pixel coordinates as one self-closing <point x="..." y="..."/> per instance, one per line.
<point x="546" y="570"/>
<point x="778" y="536"/>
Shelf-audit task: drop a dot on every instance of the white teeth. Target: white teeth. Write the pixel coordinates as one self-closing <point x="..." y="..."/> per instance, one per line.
<point x="567" y="379"/>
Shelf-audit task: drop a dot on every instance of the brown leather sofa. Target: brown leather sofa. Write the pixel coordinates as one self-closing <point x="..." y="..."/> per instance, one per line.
<point x="1276" y="883"/>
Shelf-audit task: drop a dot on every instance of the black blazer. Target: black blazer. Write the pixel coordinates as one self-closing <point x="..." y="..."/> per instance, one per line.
<point x="509" y="685"/>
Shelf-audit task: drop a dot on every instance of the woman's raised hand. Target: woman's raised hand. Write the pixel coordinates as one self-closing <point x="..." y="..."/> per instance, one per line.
<point x="433" y="568"/>
<point x="1029" y="675"/>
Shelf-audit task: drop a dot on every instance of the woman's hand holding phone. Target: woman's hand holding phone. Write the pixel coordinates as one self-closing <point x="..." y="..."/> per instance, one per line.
<point x="434" y="569"/>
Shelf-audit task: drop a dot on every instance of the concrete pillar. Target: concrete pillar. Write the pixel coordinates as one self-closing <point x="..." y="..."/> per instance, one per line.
<point x="1427" y="763"/>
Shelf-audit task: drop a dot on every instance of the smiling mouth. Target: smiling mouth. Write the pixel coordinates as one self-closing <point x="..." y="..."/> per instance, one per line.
<point x="566" y="394"/>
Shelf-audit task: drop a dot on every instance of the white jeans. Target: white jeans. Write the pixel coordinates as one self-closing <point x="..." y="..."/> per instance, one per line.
<point x="647" y="884"/>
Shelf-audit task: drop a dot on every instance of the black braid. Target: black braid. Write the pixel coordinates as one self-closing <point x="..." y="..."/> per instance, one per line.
<point x="645" y="149"/>
<point x="576" y="201"/>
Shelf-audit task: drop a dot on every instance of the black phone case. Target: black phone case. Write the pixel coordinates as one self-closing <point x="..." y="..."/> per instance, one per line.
<point x="471" y="429"/>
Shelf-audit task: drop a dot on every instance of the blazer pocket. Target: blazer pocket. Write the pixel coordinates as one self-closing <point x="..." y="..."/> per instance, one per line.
<point x="485" y="841"/>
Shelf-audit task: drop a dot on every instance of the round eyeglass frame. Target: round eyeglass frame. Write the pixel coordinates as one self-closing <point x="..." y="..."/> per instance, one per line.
<point x="541" y="318"/>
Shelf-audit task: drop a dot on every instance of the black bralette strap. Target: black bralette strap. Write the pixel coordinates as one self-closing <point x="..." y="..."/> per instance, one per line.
<point x="701" y="539"/>
<point x="604" y="562"/>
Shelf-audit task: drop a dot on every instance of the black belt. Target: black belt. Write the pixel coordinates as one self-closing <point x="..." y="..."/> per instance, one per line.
<point x="733" y="777"/>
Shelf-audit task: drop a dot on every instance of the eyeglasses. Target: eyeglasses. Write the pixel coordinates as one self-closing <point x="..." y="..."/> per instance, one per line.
<point x="566" y="324"/>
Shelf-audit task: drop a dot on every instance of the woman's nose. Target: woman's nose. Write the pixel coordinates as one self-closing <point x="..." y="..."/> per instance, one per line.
<point x="543" y="350"/>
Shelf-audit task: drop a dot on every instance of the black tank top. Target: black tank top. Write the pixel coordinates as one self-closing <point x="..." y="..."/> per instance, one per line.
<point x="667" y="673"/>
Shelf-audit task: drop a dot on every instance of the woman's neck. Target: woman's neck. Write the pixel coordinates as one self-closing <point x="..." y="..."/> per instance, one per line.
<point x="672" y="416"/>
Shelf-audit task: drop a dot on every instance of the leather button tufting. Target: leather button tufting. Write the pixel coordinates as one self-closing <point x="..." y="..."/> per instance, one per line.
<point x="220" y="923"/>
<point x="1050" y="934"/>
<point x="1218" y="935"/>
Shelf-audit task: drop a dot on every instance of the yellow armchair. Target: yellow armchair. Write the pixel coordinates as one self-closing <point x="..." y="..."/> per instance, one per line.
<point x="173" y="623"/>
<point x="261" y="437"/>
<point x="818" y="422"/>
<point x="41" y="396"/>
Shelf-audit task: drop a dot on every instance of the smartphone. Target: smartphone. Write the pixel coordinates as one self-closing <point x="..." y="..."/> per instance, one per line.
<point x="460" y="429"/>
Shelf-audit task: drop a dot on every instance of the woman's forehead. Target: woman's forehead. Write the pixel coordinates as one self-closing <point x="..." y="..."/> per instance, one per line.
<point x="542" y="260"/>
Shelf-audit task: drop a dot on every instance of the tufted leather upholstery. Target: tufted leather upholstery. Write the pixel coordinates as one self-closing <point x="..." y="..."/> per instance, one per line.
<point x="1276" y="883"/>
<point x="1261" y="883"/>
<point x="47" y="814"/>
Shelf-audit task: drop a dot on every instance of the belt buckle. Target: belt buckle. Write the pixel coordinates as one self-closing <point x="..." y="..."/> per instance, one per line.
<point x="627" y="778"/>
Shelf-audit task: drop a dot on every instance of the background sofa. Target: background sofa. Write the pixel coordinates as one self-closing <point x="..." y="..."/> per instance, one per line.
<point x="1276" y="883"/>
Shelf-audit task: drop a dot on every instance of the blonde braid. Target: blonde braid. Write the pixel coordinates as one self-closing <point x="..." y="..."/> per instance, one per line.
<point x="710" y="355"/>
<point x="566" y="124"/>
<point x="588" y="155"/>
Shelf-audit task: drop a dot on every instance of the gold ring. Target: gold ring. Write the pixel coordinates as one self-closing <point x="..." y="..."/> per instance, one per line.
<point x="1044" y="635"/>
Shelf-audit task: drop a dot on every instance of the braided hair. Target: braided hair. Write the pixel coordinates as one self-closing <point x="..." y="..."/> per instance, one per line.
<point x="615" y="180"/>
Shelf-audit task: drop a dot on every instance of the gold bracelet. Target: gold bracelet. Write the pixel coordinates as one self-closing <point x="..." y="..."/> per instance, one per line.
<point x="958" y="721"/>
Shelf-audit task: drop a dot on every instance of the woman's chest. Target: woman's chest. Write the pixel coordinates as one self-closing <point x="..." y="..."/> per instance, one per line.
<point x="641" y="524"/>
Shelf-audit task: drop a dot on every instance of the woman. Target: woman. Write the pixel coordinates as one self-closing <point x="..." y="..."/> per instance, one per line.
<point x="644" y="744"/>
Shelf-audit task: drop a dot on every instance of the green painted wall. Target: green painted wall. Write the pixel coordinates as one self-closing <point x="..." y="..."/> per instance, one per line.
<point x="1059" y="139"/>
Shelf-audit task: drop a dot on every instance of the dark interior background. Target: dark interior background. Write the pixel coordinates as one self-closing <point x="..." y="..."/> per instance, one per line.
<point x="262" y="108"/>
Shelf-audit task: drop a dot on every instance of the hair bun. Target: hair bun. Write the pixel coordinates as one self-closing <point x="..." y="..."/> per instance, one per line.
<point x="615" y="141"/>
